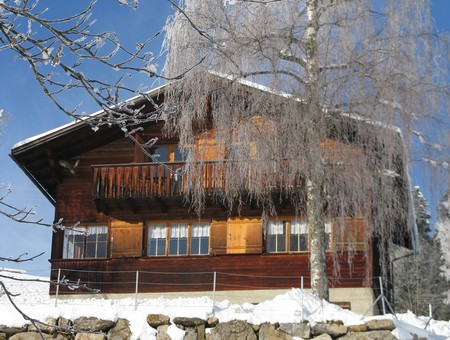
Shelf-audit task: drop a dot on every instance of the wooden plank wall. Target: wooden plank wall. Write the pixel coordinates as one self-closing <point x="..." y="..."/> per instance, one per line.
<point x="195" y="273"/>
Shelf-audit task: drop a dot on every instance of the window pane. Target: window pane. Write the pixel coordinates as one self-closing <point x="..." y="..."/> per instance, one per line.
<point x="96" y="242"/>
<point x="156" y="240"/>
<point x="85" y="242"/>
<point x="200" y="238"/>
<point x="161" y="247"/>
<point x="178" y="156"/>
<point x="91" y="245"/>
<point x="327" y="235"/>
<point x="204" y="245"/>
<point x="276" y="237"/>
<point x="298" y="240"/>
<point x="162" y="151"/>
<point x="178" y="239"/>
<point x="78" y="247"/>
<point x="195" y="246"/>
<point x="68" y="246"/>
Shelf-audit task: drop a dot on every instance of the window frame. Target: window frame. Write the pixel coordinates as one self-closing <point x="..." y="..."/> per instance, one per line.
<point x="81" y="232"/>
<point x="168" y="239"/>
<point x="287" y="225"/>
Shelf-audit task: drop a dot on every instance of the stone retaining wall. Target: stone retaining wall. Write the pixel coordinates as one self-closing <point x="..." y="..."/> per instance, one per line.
<point x="91" y="328"/>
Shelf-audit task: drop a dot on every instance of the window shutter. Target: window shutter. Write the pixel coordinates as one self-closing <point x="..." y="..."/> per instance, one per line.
<point x="126" y="239"/>
<point x="218" y="237"/>
<point x="348" y="233"/>
<point x="245" y="236"/>
<point x="207" y="148"/>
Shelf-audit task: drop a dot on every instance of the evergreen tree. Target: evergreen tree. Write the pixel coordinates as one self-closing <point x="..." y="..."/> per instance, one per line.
<point x="419" y="280"/>
<point x="422" y="214"/>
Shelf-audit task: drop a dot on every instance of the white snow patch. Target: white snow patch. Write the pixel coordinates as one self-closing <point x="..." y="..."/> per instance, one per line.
<point x="293" y="306"/>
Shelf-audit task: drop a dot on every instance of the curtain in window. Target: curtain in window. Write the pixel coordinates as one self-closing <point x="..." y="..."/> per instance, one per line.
<point x="276" y="228"/>
<point x="178" y="231"/>
<point x="298" y="227"/>
<point x="97" y="231"/>
<point x="200" y="230"/>
<point x="86" y="231"/>
<point x="327" y="227"/>
<point x="157" y="231"/>
<point x="75" y="231"/>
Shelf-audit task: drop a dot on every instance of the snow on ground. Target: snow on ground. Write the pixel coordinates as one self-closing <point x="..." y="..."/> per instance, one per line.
<point x="292" y="306"/>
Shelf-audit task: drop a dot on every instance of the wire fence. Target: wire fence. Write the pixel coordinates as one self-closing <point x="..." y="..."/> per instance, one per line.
<point x="217" y="286"/>
<point x="210" y="289"/>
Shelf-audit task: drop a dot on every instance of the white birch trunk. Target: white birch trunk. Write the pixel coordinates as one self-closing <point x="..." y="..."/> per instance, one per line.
<point x="315" y="175"/>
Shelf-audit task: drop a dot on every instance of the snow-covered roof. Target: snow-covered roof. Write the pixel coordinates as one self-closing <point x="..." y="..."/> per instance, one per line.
<point x="37" y="139"/>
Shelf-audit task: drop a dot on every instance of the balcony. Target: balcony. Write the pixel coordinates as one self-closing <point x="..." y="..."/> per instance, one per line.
<point x="138" y="180"/>
<point x="164" y="182"/>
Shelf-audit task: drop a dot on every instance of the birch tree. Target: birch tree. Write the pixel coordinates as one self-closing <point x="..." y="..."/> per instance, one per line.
<point x="315" y="62"/>
<point x="443" y="235"/>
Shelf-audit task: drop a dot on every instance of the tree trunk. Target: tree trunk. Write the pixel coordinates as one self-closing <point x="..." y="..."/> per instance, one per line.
<point x="315" y="175"/>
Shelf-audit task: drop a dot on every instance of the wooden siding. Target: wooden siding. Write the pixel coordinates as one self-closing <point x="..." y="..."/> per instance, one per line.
<point x="195" y="273"/>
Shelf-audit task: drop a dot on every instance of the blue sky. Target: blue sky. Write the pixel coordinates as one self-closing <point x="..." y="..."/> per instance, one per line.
<point x="31" y="113"/>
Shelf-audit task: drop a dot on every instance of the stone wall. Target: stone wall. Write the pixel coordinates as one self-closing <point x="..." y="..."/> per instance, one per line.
<point x="89" y="328"/>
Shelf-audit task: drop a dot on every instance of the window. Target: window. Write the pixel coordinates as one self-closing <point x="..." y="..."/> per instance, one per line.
<point x="161" y="153"/>
<point x="173" y="239"/>
<point x="156" y="240"/>
<point x="199" y="238"/>
<point x="85" y="242"/>
<point x="276" y="237"/>
<point x="327" y="235"/>
<point x="178" y="239"/>
<point x="167" y="153"/>
<point x="298" y="240"/>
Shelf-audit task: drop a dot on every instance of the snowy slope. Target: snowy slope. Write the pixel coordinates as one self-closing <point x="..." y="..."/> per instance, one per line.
<point x="292" y="306"/>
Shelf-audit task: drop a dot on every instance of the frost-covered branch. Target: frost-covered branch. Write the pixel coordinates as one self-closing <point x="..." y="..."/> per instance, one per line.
<point x="21" y="258"/>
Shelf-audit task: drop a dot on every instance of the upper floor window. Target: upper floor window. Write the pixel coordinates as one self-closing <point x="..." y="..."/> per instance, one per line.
<point x="85" y="242"/>
<point x="167" y="153"/>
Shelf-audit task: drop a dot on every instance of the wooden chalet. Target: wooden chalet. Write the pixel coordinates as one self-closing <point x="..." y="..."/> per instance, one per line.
<point x="130" y="222"/>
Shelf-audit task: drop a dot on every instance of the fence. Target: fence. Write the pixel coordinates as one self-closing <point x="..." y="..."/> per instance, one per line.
<point x="217" y="286"/>
<point x="34" y="292"/>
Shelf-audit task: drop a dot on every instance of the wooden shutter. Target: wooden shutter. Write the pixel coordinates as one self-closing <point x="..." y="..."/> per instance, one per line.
<point x="245" y="236"/>
<point x="139" y="156"/>
<point x="207" y="149"/>
<point x="126" y="239"/>
<point x="348" y="233"/>
<point x="218" y="237"/>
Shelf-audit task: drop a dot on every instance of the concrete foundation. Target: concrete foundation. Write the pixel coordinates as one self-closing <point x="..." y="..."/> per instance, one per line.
<point x="358" y="300"/>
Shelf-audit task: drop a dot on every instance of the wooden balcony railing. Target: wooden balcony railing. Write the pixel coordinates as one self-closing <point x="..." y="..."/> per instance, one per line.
<point x="142" y="180"/>
<point x="138" y="180"/>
